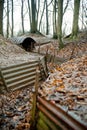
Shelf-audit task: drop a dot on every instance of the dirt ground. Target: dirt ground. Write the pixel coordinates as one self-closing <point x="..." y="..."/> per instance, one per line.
<point x="72" y="49"/>
<point x="66" y="84"/>
<point x="12" y="54"/>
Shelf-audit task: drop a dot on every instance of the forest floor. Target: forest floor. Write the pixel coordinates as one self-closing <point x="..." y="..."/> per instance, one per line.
<point x="66" y="84"/>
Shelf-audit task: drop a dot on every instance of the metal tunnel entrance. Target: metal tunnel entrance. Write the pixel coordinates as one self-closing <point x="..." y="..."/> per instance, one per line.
<point x="26" y="43"/>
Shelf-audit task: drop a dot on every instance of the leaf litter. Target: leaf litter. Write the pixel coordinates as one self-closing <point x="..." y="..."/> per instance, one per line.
<point x="15" y="110"/>
<point x="66" y="86"/>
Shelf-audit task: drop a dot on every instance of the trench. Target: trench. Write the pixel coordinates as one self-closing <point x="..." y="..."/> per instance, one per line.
<point x="28" y="44"/>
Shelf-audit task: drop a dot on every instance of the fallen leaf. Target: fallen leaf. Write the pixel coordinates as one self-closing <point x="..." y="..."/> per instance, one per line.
<point x="80" y="97"/>
<point x="60" y="89"/>
<point x="23" y="126"/>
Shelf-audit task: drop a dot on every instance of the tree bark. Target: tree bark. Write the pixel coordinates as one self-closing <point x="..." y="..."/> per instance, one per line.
<point x="22" y="16"/>
<point x="47" y="25"/>
<point x="12" y="19"/>
<point x="55" y="35"/>
<point x="33" y="17"/>
<point x="75" y="18"/>
<point x="7" y="18"/>
<point x="38" y="9"/>
<point x="42" y="15"/>
<point x="29" y="12"/>
<point x="60" y="18"/>
<point x="1" y="16"/>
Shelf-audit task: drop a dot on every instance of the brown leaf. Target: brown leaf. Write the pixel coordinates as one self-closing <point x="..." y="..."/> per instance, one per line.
<point x="23" y="126"/>
<point x="60" y="89"/>
<point x="80" y="97"/>
<point x="58" y="68"/>
<point x="57" y="81"/>
<point x="10" y="114"/>
<point x="22" y="108"/>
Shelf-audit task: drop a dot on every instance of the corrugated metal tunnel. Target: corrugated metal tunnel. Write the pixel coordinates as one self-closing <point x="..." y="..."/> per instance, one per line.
<point x="26" y="43"/>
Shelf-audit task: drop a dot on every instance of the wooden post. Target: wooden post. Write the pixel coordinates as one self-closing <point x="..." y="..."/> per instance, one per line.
<point x="47" y="121"/>
<point x="45" y="68"/>
<point x="40" y="68"/>
<point x="39" y="49"/>
<point x="46" y="59"/>
<point x="35" y="93"/>
<point x="2" y="77"/>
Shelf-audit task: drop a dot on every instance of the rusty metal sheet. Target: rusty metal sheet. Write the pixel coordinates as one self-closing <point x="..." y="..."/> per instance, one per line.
<point x="38" y="40"/>
<point x="59" y="116"/>
<point x="20" y="75"/>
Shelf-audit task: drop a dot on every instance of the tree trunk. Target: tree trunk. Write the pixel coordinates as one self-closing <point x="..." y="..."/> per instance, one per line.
<point x="22" y="16"/>
<point x="7" y="18"/>
<point x="12" y="20"/>
<point x="38" y="9"/>
<point x="55" y="35"/>
<point x="47" y="25"/>
<point x="42" y="15"/>
<point x="29" y="12"/>
<point x="75" y="18"/>
<point x="1" y="16"/>
<point x="33" y="17"/>
<point x="60" y="18"/>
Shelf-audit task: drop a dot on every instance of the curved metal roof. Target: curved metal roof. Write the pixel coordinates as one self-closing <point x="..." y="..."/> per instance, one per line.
<point x="18" y="40"/>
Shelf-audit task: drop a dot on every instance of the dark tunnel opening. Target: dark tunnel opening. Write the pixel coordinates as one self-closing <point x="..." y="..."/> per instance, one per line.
<point x="28" y="44"/>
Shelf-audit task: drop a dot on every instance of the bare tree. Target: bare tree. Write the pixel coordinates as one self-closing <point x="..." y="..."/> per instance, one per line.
<point x="47" y="23"/>
<point x="33" y="17"/>
<point x="55" y="35"/>
<point x="7" y="18"/>
<point x="60" y="19"/>
<point x="67" y="3"/>
<point x="42" y="15"/>
<point x="12" y="19"/>
<point x="22" y="16"/>
<point x="55" y="10"/>
<point x="37" y="12"/>
<point x="29" y="12"/>
<point x="1" y="16"/>
<point x="75" y="18"/>
<point x="84" y="7"/>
